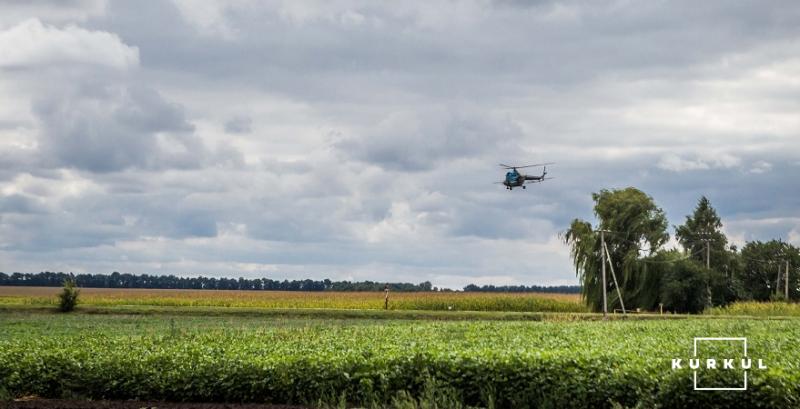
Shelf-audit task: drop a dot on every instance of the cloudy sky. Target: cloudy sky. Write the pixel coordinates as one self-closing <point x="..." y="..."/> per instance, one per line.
<point x="360" y="140"/>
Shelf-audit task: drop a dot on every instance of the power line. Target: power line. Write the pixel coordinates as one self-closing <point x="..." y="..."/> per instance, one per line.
<point x="705" y="240"/>
<point x="641" y="249"/>
<point x="627" y="234"/>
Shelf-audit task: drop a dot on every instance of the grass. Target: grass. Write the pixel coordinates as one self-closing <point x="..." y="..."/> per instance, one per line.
<point x="430" y="301"/>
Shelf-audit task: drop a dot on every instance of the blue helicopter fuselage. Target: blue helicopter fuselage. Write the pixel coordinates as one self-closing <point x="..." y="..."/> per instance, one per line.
<point x="512" y="178"/>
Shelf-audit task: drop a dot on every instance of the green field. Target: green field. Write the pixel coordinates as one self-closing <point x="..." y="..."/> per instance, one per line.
<point x="322" y="360"/>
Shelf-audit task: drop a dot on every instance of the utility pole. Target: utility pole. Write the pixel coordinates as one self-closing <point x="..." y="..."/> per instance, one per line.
<point x="708" y="267"/>
<point x="707" y="239"/>
<point x="603" y="262"/>
<point x="786" y="287"/>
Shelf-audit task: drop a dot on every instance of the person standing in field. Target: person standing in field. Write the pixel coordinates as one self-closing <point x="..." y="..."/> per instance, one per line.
<point x="386" y="297"/>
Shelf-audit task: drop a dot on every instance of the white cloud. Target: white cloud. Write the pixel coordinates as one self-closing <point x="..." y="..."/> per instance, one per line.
<point x="209" y="17"/>
<point x="52" y="11"/>
<point x="31" y="43"/>
<point x="742" y="230"/>
<point x="760" y="167"/>
<point x="794" y="236"/>
<point x="675" y="163"/>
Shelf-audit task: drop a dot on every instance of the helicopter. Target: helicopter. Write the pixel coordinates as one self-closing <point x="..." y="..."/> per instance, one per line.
<point x="515" y="179"/>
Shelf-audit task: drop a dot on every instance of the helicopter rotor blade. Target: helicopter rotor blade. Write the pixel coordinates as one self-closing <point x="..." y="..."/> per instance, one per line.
<point x="535" y="165"/>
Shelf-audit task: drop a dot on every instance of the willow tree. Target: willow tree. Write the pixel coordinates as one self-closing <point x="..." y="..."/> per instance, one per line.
<point x="637" y="228"/>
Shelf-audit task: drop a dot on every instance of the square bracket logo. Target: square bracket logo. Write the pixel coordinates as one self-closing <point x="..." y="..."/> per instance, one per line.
<point x="721" y="339"/>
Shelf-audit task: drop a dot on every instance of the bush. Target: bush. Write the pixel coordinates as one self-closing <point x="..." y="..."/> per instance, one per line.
<point x="684" y="288"/>
<point x="68" y="298"/>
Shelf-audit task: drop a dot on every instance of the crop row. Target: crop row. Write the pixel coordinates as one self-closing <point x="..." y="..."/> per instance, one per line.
<point x="542" y="365"/>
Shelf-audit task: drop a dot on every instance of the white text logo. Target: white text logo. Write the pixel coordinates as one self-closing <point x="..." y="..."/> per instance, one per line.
<point x="720" y="363"/>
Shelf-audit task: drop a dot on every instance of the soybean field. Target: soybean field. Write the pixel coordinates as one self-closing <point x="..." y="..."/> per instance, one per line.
<point x="383" y="363"/>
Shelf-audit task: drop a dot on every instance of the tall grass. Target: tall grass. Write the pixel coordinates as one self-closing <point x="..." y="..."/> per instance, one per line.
<point x="758" y="309"/>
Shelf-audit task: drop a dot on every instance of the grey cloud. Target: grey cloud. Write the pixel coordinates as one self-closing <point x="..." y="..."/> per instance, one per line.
<point x="185" y="223"/>
<point x="11" y="162"/>
<point x="176" y="213"/>
<point x="95" y="220"/>
<point x="6" y="124"/>
<point x="420" y="140"/>
<point x="408" y="51"/>
<point x="46" y="232"/>
<point x="238" y="125"/>
<point x="17" y="203"/>
<point x="110" y="128"/>
<point x="502" y="224"/>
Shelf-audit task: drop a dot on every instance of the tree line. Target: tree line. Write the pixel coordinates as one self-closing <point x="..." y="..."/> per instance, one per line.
<point x="558" y="289"/>
<point x="126" y="280"/>
<point x="705" y="271"/>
